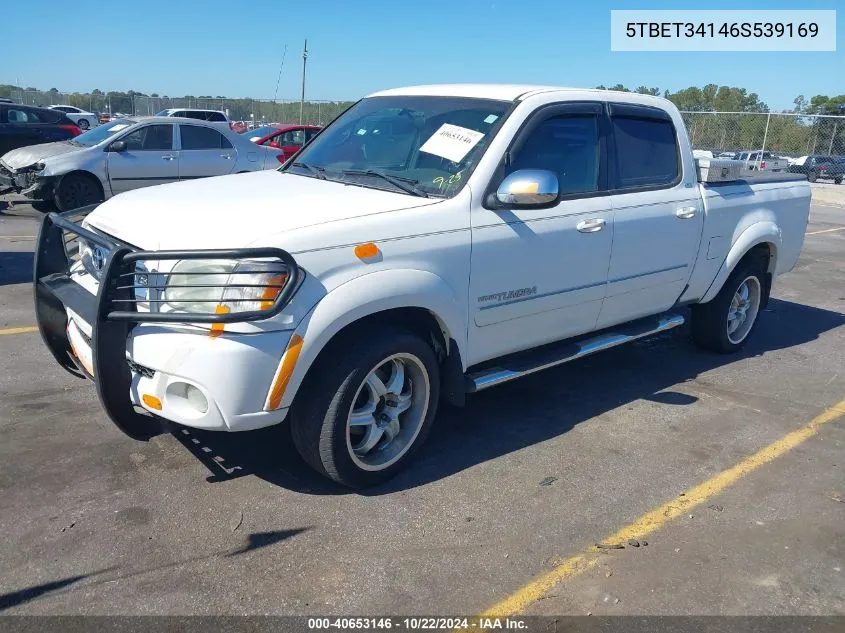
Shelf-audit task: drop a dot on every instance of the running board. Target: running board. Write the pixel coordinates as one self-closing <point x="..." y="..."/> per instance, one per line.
<point x="548" y="356"/>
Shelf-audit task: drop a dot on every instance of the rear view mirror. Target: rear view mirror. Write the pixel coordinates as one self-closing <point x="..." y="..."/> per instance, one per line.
<point x="273" y="144"/>
<point x="527" y="188"/>
<point x="118" y="146"/>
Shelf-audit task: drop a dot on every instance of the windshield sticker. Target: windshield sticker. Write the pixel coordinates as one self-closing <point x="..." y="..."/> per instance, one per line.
<point x="452" y="142"/>
<point x="118" y="128"/>
<point x="492" y="118"/>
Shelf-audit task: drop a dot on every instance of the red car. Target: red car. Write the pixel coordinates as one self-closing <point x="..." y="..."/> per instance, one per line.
<point x="288" y="138"/>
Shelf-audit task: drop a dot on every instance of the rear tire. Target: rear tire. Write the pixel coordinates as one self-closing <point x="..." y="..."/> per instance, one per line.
<point x="367" y="406"/>
<point x="77" y="190"/>
<point x="724" y="324"/>
<point x="813" y="176"/>
<point x="83" y="124"/>
<point x="837" y="180"/>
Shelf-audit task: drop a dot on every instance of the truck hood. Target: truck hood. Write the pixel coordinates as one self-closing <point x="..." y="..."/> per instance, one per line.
<point x="236" y="211"/>
<point x="26" y="156"/>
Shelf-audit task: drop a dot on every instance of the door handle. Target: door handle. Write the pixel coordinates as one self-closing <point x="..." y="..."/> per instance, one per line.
<point x="685" y="213"/>
<point x="168" y="157"/>
<point x="590" y="226"/>
<point x="225" y="156"/>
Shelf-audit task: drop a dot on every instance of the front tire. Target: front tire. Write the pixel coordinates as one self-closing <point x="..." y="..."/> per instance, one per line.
<point x="724" y="324"/>
<point x="813" y="176"/>
<point x="77" y="190"/>
<point x="367" y="407"/>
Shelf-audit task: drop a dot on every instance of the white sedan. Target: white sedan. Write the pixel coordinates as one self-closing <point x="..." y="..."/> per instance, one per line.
<point x="84" y="120"/>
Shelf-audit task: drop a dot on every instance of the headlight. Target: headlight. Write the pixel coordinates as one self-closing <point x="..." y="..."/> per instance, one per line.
<point x="223" y="286"/>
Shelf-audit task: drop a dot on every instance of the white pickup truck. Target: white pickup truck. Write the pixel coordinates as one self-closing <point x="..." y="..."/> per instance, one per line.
<point x="430" y="242"/>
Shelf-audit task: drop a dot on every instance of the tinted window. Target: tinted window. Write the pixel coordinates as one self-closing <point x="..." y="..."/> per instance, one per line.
<point x="567" y="146"/>
<point x="646" y="152"/>
<point x="216" y="116"/>
<point x="150" y="138"/>
<point x="197" y="137"/>
<point x="309" y="134"/>
<point x="23" y="115"/>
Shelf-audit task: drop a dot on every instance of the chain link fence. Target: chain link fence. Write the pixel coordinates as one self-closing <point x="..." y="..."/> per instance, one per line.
<point x="789" y="135"/>
<point x="257" y="111"/>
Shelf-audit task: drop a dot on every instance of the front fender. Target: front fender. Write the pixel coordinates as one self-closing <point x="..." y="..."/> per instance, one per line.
<point x="762" y="232"/>
<point x="368" y="295"/>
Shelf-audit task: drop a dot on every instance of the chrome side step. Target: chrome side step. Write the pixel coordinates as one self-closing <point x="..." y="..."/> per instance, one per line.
<point x="527" y="363"/>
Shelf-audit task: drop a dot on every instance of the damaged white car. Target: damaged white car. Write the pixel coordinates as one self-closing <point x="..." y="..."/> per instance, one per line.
<point x="128" y="154"/>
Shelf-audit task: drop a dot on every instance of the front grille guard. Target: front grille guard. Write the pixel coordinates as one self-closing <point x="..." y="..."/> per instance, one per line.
<point x="113" y="312"/>
<point x="121" y="288"/>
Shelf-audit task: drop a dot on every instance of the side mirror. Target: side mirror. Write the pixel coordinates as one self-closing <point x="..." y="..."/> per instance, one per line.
<point x="118" y="146"/>
<point x="274" y="144"/>
<point x="527" y="188"/>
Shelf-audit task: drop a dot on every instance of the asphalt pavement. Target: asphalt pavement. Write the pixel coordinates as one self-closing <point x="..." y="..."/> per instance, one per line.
<point x="521" y="483"/>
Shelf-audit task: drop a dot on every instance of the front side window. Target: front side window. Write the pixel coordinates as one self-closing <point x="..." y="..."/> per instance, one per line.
<point x="568" y="146"/>
<point x="216" y="116"/>
<point x="646" y="152"/>
<point x="426" y="145"/>
<point x="150" y="138"/>
<point x="199" y="137"/>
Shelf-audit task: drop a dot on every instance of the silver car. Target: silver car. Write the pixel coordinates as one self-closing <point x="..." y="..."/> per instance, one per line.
<point x="130" y="153"/>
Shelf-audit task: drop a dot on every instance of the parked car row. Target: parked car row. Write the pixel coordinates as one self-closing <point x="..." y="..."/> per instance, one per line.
<point x="127" y="154"/>
<point x="820" y="166"/>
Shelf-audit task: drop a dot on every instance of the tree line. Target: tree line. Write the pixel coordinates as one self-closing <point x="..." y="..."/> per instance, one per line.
<point x="800" y="134"/>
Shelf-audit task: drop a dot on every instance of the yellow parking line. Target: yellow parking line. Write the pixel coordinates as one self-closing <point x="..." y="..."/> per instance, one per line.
<point x="522" y="598"/>
<point x="20" y="330"/>
<point x="18" y="237"/>
<point x="841" y="228"/>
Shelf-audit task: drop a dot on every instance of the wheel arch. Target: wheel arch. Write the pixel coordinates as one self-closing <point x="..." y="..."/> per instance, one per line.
<point x="82" y="172"/>
<point x="762" y="239"/>
<point x="418" y="300"/>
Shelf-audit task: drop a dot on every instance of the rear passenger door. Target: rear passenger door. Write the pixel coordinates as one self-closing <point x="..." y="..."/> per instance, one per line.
<point x="657" y="215"/>
<point x="204" y="152"/>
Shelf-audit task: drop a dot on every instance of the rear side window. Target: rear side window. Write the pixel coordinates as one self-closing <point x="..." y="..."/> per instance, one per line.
<point x="646" y="152"/>
<point x="216" y="116"/>
<point x="23" y="115"/>
<point x="198" y="137"/>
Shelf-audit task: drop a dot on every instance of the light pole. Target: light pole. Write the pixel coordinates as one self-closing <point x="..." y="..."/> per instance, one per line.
<point x="302" y="99"/>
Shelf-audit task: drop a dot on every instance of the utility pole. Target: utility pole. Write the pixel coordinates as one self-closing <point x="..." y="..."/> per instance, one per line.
<point x="304" y="61"/>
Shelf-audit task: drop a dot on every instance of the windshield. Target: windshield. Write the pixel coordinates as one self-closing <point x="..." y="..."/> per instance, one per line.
<point x="102" y="132"/>
<point x="259" y="132"/>
<point x="429" y="144"/>
<point x="163" y="113"/>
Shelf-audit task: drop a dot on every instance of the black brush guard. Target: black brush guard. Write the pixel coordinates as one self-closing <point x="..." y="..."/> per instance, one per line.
<point x="112" y="312"/>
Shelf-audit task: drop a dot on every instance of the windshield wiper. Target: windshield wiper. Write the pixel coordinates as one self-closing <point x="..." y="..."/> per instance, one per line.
<point x="320" y="172"/>
<point x="405" y="184"/>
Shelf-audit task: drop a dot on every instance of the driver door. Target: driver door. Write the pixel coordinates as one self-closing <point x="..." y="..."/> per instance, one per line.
<point x="148" y="159"/>
<point x="539" y="274"/>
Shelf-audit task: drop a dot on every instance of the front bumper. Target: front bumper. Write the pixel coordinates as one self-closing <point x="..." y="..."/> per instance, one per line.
<point x="136" y="361"/>
<point x="26" y="183"/>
